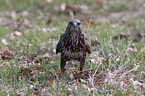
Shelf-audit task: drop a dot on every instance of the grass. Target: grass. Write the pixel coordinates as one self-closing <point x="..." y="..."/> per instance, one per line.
<point x="115" y="67"/>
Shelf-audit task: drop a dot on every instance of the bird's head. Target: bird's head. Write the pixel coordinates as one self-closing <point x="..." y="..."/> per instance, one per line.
<point x="74" y="26"/>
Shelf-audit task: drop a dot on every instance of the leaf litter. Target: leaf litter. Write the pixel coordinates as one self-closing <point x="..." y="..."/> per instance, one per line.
<point x="113" y="78"/>
<point x="7" y="54"/>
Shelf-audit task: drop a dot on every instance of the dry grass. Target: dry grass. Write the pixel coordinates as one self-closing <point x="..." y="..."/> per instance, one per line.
<point x="30" y="29"/>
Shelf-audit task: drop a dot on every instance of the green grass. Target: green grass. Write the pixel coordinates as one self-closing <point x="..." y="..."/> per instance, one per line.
<point x="121" y="74"/>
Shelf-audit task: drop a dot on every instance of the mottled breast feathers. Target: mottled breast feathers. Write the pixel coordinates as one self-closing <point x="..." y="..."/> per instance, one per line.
<point x="62" y="45"/>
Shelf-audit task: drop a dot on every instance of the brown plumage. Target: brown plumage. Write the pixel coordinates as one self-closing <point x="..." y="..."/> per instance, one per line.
<point x="73" y="44"/>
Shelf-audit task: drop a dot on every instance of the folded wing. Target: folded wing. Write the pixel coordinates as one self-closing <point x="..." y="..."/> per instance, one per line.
<point x="59" y="45"/>
<point x="87" y="44"/>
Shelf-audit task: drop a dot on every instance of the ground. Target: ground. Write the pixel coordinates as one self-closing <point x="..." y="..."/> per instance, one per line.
<point x="30" y="30"/>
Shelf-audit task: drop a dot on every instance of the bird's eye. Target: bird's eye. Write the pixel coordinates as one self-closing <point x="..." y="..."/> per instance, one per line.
<point x="70" y="23"/>
<point x="78" y="23"/>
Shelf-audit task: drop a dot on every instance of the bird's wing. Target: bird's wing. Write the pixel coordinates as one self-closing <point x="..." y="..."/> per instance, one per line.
<point x="59" y="45"/>
<point x="87" y="44"/>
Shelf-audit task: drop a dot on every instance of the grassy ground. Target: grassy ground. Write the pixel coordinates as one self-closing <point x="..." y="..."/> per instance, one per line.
<point x="30" y="30"/>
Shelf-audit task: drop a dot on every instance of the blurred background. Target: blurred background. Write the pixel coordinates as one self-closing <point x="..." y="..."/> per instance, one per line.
<point x="97" y="10"/>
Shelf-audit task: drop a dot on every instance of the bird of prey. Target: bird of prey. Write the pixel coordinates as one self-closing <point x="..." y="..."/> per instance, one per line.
<point x="73" y="44"/>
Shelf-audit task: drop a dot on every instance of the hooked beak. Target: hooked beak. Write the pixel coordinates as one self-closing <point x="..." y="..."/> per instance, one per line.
<point x="75" y="25"/>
